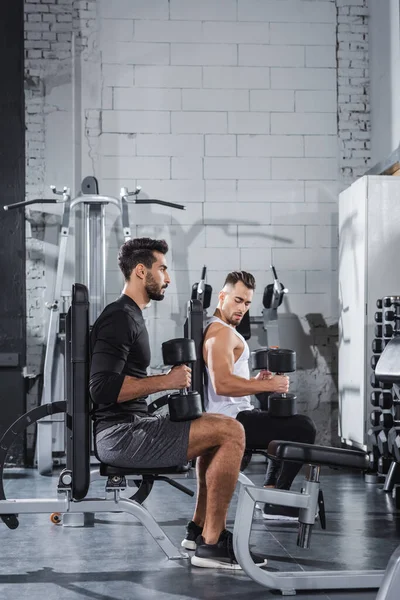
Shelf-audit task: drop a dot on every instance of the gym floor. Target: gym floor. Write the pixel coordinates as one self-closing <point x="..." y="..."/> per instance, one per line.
<point x="118" y="560"/>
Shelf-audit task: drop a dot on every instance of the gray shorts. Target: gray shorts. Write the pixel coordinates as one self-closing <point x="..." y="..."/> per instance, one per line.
<point x="152" y="441"/>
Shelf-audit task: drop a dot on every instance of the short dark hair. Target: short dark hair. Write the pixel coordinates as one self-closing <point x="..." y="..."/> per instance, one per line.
<point x="246" y="278"/>
<point x="139" y="250"/>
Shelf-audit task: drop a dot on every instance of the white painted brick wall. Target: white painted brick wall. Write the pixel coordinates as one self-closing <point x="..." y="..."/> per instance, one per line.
<point x="224" y="100"/>
<point x="353" y="111"/>
<point x="234" y="108"/>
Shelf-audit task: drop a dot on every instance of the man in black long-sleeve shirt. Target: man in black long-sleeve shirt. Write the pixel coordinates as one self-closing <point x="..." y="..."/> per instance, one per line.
<point x="127" y="436"/>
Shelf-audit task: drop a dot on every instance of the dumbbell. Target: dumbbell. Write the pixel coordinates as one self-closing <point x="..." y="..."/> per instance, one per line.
<point x="379" y="303"/>
<point x="396" y="447"/>
<point x="375" y="383"/>
<point x="385" y="400"/>
<point x="384" y="463"/>
<point x="373" y="458"/>
<point x="378" y="345"/>
<point x="374" y="398"/>
<point x="387" y="331"/>
<point x="386" y="420"/>
<point x="383" y="443"/>
<point x="378" y="331"/>
<point x="279" y="361"/>
<point x="381" y="419"/>
<point x="372" y="434"/>
<point x="394" y="432"/>
<point x="185" y="405"/>
<point x="378" y="317"/>
<point x="374" y="361"/>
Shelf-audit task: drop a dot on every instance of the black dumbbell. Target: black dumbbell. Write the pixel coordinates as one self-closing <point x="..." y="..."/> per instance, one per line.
<point x="375" y="383"/>
<point x="185" y="405"/>
<point x="374" y="417"/>
<point x="374" y="360"/>
<point x="378" y="317"/>
<point x="387" y="301"/>
<point x="378" y="346"/>
<point x="396" y="447"/>
<point x="384" y="463"/>
<point x="379" y="303"/>
<point x="385" y="400"/>
<point x="374" y="398"/>
<point x="390" y="315"/>
<point x="372" y="434"/>
<point x="279" y="361"/>
<point x="383" y="444"/>
<point x="387" y="331"/>
<point x="373" y="458"/>
<point x="386" y="420"/>
<point x="378" y="331"/>
<point x="392" y="434"/>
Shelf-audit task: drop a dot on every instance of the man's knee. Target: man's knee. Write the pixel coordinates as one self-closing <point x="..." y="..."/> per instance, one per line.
<point x="230" y="430"/>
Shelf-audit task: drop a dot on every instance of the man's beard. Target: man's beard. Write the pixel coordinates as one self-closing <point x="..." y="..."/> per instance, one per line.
<point x="231" y="320"/>
<point x="153" y="289"/>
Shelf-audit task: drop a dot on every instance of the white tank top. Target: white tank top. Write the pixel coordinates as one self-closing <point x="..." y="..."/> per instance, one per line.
<point x="227" y="405"/>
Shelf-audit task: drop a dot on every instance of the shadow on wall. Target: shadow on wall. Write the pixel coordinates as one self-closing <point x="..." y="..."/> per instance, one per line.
<point x="316" y="379"/>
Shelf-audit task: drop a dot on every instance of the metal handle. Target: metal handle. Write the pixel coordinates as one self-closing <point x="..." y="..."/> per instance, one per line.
<point x="28" y="202"/>
<point x="154" y="201"/>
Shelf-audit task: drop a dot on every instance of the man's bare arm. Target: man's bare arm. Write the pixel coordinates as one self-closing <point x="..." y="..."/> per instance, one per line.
<point x="219" y="355"/>
<point x="134" y="387"/>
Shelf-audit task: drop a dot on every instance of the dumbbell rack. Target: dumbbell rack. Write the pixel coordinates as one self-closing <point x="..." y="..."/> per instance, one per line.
<point x="384" y="433"/>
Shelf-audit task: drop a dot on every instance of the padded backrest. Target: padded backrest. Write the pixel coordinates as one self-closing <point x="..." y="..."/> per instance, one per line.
<point x="77" y="391"/>
<point x="194" y="329"/>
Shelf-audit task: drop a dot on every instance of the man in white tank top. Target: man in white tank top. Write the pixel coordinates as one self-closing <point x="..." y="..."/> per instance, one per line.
<point x="229" y="386"/>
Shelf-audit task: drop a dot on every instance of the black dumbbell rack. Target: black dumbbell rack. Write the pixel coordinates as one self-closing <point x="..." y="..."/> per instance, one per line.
<point x="384" y="433"/>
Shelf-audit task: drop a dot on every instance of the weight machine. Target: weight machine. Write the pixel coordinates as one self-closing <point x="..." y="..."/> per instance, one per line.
<point x="50" y="430"/>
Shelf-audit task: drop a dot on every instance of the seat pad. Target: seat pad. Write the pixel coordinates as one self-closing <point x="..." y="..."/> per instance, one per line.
<point x="318" y="455"/>
<point x="110" y="471"/>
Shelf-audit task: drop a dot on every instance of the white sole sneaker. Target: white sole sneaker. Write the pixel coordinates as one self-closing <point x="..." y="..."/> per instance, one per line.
<point x="209" y="563"/>
<point x="188" y="544"/>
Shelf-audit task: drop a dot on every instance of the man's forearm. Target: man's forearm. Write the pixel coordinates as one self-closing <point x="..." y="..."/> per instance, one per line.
<point x="240" y="386"/>
<point x="134" y="387"/>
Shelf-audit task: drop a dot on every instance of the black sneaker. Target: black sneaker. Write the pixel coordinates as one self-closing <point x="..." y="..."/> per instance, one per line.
<point x="193" y="531"/>
<point x="221" y="554"/>
<point x="272" y="512"/>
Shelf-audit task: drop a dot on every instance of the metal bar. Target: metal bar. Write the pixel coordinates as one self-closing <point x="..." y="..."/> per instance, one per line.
<point x="289" y="581"/>
<point x="89" y="199"/>
<point x="96" y="505"/>
<point x="102" y="265"/>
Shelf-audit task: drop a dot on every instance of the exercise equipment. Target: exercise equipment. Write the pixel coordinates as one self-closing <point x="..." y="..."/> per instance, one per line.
<point x="92" y="267"/>
<point x="309" y="500"/>
<point x="185" y="405"/>
<point x="75" y="478"/>
<point x="202" y="291"/>
<point x="273" y="296"/>
<point x="279" y="361"/>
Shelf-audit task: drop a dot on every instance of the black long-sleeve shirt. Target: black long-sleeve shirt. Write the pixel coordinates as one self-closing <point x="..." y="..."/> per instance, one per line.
<point x="119" y="346"/>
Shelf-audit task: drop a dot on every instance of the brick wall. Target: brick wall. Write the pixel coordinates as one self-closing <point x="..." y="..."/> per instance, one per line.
<point x="253" y="114"/>
<point x="354" y="127"/>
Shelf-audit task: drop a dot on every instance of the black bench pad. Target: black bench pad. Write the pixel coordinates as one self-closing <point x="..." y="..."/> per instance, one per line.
<point x="318" y="455"/>
<point x="109" y="471"/>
